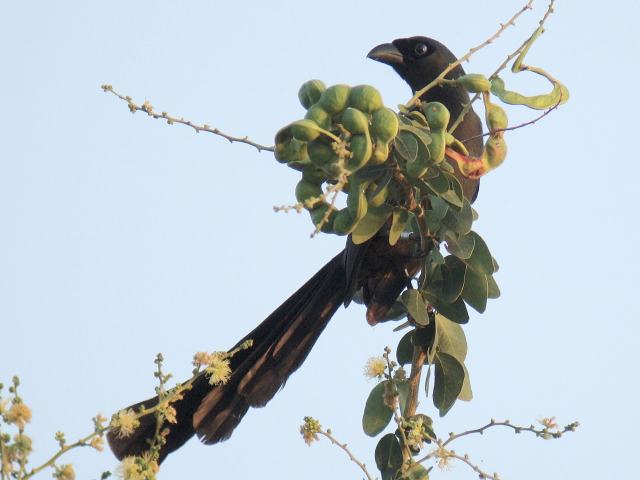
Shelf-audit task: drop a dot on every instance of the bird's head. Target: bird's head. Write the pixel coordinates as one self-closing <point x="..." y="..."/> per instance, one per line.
<point x="419" y="60"/>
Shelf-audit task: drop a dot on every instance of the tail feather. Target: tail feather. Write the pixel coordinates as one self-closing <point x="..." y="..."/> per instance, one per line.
<point x="281" y="343"/>
<point x="295" y="327"/>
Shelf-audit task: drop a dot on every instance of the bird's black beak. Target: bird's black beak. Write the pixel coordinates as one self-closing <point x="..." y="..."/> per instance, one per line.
<point x="386" y="53"/>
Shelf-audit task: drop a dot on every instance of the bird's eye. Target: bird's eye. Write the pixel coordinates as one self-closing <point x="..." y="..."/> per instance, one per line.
<point x="420" y="49"/>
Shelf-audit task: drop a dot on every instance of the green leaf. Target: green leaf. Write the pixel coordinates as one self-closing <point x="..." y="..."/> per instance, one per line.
<point x="407" y="146"/>
<point x="451" y="338"/>
<point x="438" y="208"/>
<point x="396" y="312"/>
<point x="416" y="472"/>
<point x="454" y="195"/>
<point x="377" y="414"/>
<point x="421" y="134"/>
<point x="453" y="275"/>
<point x="480" y="260"/>
<point x="435" y="256"/>
<point x="459" y="221"/>
<point x="475" y="291"/>
<point x="449" y="377"/>
<point x="493" y="289"/>
<point x="400" y="220"/>
<point x="424" y="336"/>
<point x="459" y="245"/>
<point x="371" y="223"/>
<point x="413" y="301"/>
<point x="466" y="395"/>
<point x="388" y="456"/>
<point x="372" y="172"/>
<point x="439" y="184"/>
<point x="404" y="352"/>
<point x="456" y="311"/>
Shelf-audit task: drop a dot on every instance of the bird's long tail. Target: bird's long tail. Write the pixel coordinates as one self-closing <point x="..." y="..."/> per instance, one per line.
<point x="281" y="343"/>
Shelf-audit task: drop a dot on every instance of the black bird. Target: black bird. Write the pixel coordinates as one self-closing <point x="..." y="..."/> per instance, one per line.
<point x="284" y="339"/>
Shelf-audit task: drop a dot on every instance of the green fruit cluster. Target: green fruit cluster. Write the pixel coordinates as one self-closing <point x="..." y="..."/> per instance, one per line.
<point x="345" y="129"/>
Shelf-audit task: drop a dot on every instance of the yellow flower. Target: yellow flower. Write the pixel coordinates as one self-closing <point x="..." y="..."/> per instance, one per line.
<point x="128" y="469"/>
<point x="201" y="358"/>
<point x="19" y="414"/>
<point x="375" y="367"/>
<point x="218" y="369"/>
<point x="125" y="422"/>
<point x="309" y="430"/>
<point x="549" y="423"/>
<point x="170" y="414"/>
<point x="97" y="443"/>
<point x="64" y="472"/>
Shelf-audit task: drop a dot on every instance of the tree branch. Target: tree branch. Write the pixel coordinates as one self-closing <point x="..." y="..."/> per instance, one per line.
<point x="147" y="108"/>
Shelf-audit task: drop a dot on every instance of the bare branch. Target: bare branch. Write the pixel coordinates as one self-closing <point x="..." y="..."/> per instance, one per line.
<point x="147" y="108"/>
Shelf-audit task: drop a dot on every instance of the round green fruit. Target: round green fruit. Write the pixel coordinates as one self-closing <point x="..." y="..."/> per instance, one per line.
<point x="437" y="115"/>
<point x="361" y="151"/>
<point x="334" y="99"/>
<point x="306" y="190"/>
<point x="305" y="130"/>
<point x="343" y="222"/>
<point x="318" y="214"/>
<point x="384" y="125"/>
<point x="365" y="98"/>
<point x="319" y="115"/>
<point x="321" y="153"/>
<point x="310" y="92"/>
<point x="313" y="174"/>
<point x="355" y="121"/>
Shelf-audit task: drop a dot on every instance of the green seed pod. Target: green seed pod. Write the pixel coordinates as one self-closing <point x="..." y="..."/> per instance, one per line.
<point x="384" y="125"/>
<point x="305" y="130"/>
<point x="306" y="191"/>
<point x="365" y="98"/>
<point x="495" y="116"/>
<point x="319" y="116"/>
<point x="334" y="99"/>
<point x="557" y="96"/>
<point x="455" y="144"/>
<point x="317" y="215"/>
<point x="495" y="151"/>
<point x="355" y="121"/>
<point x="310" y="92"/>
<point x="357" y="201"/>
<point x="474" y="83"/>
<point x="437" y="115"/>
<point x="321" y="153"/>
<point x="361" y="152"/>
<point x="287" y="148"/>
<point x="380" y="153"/>
<point x="313" y="174"/>
<point x="379" y="198"/>
<point x="343" y="222"/>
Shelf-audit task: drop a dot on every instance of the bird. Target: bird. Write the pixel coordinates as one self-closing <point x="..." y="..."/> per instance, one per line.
<point x="282" y="342"/>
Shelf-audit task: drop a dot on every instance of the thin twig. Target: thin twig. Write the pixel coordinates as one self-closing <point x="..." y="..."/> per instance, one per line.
<point x="525" y="124"/>
<point x="445" y="454"/>
<point x="147" y="108"/>
<point x="541" y="433"/>
<point x="549" y="430"/>
<point x="501" y="67"/>
<point x="343" y="446"/>
<point x="503" y="26"/>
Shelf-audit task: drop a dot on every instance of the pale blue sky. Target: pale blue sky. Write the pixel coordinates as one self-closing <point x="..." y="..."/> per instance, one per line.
<point x="121" y="236"/>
